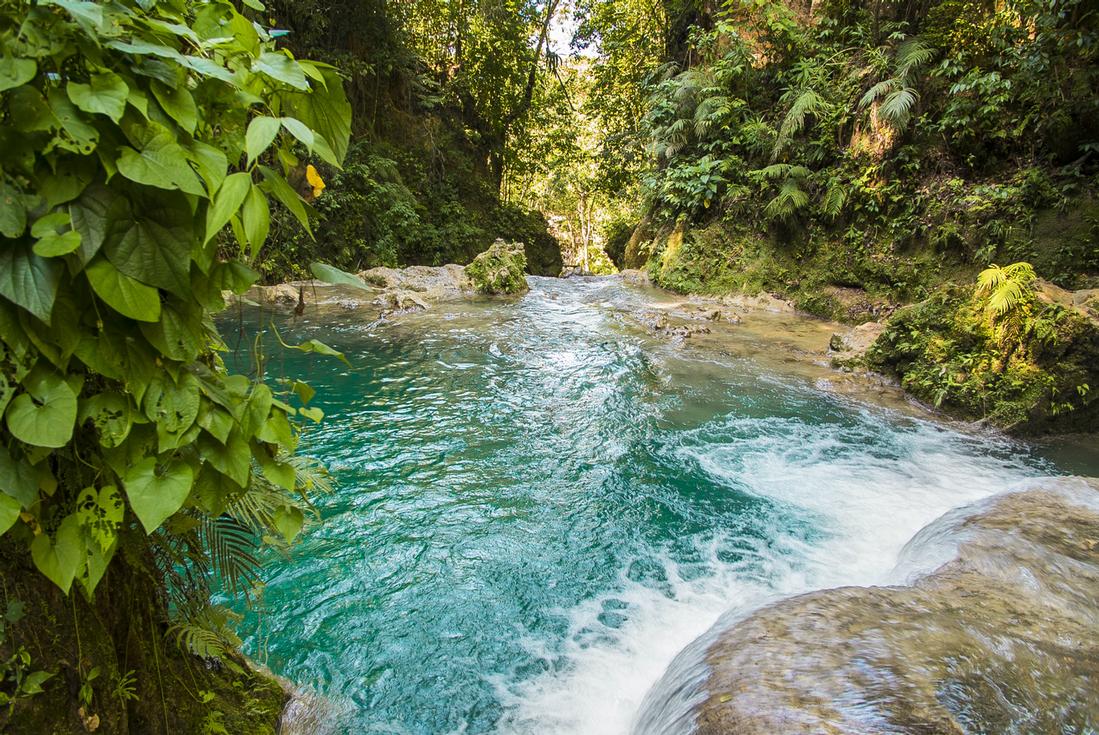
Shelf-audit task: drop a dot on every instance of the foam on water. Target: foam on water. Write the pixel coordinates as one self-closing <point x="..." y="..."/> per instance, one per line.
<point x="866" y="496"/>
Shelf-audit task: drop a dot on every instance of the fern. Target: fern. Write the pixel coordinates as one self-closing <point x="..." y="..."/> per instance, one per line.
<point x="791" y="198"/>
<point x="834" y="200"/>
<point x="807" y="103"/>
<point x="209" y="634"/>
<point x="232" y="547"/>
<point x="1005" y="288"/>
<point x="897" y="95"/>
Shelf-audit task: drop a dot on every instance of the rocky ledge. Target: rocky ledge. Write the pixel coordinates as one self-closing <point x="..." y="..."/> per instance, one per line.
<point x="1003" y="638"/>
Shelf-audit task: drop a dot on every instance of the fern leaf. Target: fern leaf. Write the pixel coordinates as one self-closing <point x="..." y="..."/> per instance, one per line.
<point x="898" y="106"/>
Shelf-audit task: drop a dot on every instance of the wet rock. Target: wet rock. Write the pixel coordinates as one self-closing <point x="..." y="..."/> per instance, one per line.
<point x="1003" y="638"/>
<point x="856" y="340"/>
<point x="281" y="294"/>
<point x="398" y="300"/>
<point x="635" y="277"/>
<point x="443" y="283"/>
<point x="762" y="301"/>
<point x="499" y="270"/>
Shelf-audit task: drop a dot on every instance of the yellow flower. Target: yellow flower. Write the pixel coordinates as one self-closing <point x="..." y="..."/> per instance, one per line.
<point x="314" y="180"/>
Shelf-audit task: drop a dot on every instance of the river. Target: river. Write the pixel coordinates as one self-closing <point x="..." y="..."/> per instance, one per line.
<point x="540" y="502"/>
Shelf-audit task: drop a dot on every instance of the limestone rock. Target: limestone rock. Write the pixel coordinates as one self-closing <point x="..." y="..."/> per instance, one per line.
<point x="1004" y="638"/>
<point x="499" y="270"/>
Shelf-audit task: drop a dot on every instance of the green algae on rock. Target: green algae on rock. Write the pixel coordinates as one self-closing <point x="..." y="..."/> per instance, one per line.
<point x="1037" y="379"/>
<point x="499" y="270"/>
<point x="1001" y="639"/>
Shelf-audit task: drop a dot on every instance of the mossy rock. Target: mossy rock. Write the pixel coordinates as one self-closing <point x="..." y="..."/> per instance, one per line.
<point x="499" y="270"/>
<point x="946" y="353"/>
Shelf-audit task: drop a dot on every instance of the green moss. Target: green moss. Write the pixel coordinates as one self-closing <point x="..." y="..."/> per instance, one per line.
<point x="945" y="352"/>
<point x="499" y="270"/>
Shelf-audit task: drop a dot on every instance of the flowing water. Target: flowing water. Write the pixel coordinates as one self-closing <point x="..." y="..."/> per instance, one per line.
<point x="540" y="503"/>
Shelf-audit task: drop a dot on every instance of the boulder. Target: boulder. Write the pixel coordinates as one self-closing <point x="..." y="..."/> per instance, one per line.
<point x="1002" y="638"/>
<point x="499" y="270"/>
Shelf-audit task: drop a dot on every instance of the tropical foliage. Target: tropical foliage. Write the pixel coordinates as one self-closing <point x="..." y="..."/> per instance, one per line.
<point x="144" y="144"/>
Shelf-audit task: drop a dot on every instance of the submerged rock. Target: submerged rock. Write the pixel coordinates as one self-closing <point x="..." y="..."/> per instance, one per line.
<point x="499" y="270"/>
<point x="1003" y="638"/>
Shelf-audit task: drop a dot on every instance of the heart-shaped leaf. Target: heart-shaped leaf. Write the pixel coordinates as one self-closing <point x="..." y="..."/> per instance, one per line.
<point x="44" y="415"/>
<point x="61" y="558"/>
<point x="156" y="492"/>
<point x="126" y="295"/>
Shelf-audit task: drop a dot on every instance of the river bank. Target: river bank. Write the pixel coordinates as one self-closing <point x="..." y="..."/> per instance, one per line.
<point x="831" y="352"/>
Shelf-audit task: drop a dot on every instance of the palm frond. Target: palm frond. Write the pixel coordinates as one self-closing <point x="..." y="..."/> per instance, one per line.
<point x="806" y="103"/>
<point x="898" y="106"/>
<point x="912" y="54"/>
<point x="879" y="89"/>
<point x="232" y="547"/>
<point x="834" y="200"/>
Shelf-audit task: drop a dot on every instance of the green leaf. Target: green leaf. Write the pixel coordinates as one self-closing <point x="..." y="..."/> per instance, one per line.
<point x="104" y="94"/>
<point x="300" y="130"/>
<point x="330" y="274"/>
<point x="62" y="558"/>
<point x="88" y="14"/>
<point x="261" y="132"/>
<point x="29" y="280"/>
<point x="314" y="414"/>
<point x="100" y="511"/>
<point x="44" y="415"/>
<point x="227" y="201"/>
<point x="177" y="334"/>
<point x="9" y="513"/>
<point x="54" y="245"/>
<point x="280" y="473"/>
<point x="173" y="406"/>
<point x="16" y="72"/>
<point x="276" y="185"/>
<point x="211" y="163"/>
<point x="13" y="211"/>
<point x="29" y="111"/>
<point x="313" y="345"/>
<point x="89" y="216"/>
<point x="257" y="409"/>
<point x="156" y="492"/>
<point x="232" y="459"/>
<point x="178" y="103"/>
<point x="151" y="238"/>
<point x="17" y="479"/>
<point x="125" y="295"/>
<point x="215" y="420"/>
<point x="162" y="162"/>
<point x="83" y="138"/>
<point x="289" y="522"/>
<point x="256" y="218"/>
<point x="112" y="416"/>
<point x="282" y="68"/>
<point x="277" y="430"/>
<point x="326" y="111"/>
<point x="49" y="224"/>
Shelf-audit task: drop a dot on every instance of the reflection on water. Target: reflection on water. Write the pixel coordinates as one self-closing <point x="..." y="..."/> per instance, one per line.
<point x="540" y="504"/>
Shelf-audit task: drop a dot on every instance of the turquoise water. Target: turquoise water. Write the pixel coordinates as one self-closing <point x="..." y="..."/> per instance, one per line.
<point x="539" y="504"/>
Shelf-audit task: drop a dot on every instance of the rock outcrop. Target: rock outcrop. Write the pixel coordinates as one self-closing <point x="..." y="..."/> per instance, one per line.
<point x="499" y="270"/>
<point x="1003" y="638"/>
